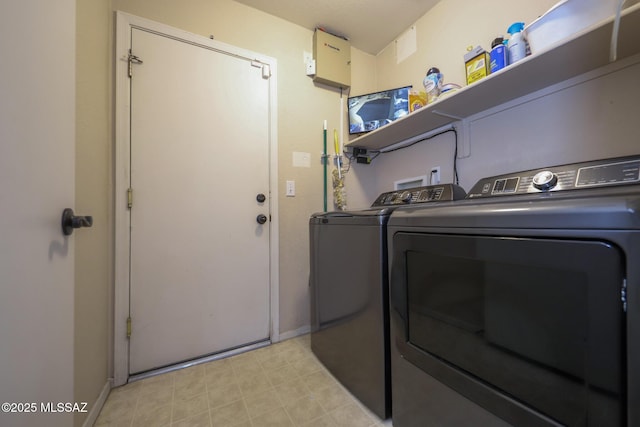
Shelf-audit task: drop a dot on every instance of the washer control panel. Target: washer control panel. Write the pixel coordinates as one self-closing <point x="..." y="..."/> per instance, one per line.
<point x="430" y="193"/>
<point x="576" y="176"/>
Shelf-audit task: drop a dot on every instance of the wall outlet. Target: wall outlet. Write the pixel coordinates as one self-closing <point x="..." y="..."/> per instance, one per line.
<point x="311" y="67"/>
<point x="309" y="63"/>
<point x="434" y="175"/>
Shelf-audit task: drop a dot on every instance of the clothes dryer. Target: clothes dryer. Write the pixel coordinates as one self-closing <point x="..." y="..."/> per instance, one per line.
<point x="520" y="305"/>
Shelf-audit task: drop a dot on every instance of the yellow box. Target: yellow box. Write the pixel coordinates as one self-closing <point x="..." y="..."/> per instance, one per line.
<point x="417" y="100"/>
<point x="477" y="64"/>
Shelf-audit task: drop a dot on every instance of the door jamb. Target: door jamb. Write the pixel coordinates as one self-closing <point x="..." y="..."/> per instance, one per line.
<point x="124" y="24"/>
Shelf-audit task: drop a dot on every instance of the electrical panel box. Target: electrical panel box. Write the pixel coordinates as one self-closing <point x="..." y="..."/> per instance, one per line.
<point x="332" y="56"/>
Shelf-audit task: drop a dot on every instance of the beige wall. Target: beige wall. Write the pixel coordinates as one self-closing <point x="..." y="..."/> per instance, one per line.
<point x="592" y="120"/>
<point x="94" y="247"/>
<point x="445" y="32"/>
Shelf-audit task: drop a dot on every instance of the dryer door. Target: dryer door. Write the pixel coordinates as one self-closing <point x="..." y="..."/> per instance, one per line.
<point x="527" y="326"/>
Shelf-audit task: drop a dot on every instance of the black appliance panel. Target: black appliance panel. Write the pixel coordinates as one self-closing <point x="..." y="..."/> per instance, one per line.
<point x="420" y="195"/>
<point x="578" y="176"/>
<point x="530" y="328"/>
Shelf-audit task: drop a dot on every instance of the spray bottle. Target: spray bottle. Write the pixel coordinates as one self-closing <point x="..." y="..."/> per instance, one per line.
<point x="517" y="46"/>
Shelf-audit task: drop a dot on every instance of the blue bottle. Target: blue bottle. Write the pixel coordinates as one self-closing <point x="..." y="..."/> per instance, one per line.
<point x="498" y="55"/>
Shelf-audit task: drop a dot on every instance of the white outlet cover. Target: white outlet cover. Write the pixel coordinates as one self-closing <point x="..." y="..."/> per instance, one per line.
<point x="291" y="189"/>
<point x="311" y="68"/>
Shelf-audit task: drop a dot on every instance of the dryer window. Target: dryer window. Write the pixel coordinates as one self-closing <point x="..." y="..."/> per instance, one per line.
<point x="537" y="320"/>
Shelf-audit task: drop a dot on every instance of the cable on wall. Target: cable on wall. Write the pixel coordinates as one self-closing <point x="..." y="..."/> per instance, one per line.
<point x="427" y="138"/>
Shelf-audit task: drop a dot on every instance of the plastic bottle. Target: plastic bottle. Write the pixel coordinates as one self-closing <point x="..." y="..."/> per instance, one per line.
<point x="498" y="55"/>
<point x="517" y="46"/>
<point x="432" y="84"/>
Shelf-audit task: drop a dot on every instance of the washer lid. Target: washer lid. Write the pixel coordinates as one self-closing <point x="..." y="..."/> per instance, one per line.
<point x="373" y="216"/>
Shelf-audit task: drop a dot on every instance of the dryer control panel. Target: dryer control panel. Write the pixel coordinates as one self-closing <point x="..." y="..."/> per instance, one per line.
<point x="426" y="194"/>
<point x="575" y="176"/>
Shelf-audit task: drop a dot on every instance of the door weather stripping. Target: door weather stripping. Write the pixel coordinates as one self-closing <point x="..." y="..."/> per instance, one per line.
<point x="205" y="359"/>
<point x="132" y="60"/>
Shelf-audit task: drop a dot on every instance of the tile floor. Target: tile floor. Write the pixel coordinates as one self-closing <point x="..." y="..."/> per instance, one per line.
<point x="279" y="385"/>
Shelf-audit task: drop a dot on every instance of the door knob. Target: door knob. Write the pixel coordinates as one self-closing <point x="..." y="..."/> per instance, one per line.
<point x="71" y="221"/>
<point x="261" y="198"/>
<point x="261" y="219"/>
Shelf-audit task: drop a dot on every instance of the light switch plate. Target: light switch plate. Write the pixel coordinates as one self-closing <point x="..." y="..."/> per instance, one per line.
<point x="291" y="189"/>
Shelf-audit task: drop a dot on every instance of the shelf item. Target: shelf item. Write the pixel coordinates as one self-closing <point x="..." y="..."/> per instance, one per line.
<point x="586" y="51"/>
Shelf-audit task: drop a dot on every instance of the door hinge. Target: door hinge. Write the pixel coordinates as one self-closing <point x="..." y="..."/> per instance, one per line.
<point x="129" y="197"/>
<point x="623" y="295"/>
<point x="129" y="327"/>
<point x="132" y="59"/>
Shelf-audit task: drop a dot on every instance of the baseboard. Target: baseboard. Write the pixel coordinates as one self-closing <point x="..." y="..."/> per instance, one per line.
<point x="296" y="332"/>
<point x="97" y="407"/>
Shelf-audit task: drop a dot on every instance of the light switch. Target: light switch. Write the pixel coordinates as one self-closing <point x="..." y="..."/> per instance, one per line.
<point x="291" y="189"/>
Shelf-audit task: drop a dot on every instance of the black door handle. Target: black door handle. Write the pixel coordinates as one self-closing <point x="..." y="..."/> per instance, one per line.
<point x="261" y="198"/>
<point x="71" y="221"/>
<point x="261" y="219"/>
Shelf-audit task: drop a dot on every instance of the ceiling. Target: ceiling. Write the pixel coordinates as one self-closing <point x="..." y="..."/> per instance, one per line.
<point x="370" y="25"/>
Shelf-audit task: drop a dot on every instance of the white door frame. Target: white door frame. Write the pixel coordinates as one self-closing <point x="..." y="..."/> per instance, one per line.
<point x="124" y="25"/>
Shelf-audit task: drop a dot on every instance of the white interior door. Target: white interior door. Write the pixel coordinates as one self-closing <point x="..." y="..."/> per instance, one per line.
<point x="37" y="162"/>
<point x="199" y="158"/>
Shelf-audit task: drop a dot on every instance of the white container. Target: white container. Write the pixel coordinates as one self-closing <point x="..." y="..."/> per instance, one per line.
<point x="566" y="18"/>
<point x="516" y="45"/>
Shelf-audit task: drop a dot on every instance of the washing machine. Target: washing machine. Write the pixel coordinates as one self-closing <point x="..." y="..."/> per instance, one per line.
<point x="520" y="305"/>
<point x="349" y="291"/>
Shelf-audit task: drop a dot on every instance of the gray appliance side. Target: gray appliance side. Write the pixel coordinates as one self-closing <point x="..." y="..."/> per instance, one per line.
<point x="349" y="307"/>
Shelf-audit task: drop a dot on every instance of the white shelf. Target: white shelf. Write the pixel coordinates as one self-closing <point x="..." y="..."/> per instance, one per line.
<point x="584" y="52"/>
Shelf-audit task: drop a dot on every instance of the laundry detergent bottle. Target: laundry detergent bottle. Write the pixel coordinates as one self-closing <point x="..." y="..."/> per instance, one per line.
<point x="498" y="55"/>
<point x="432" y="84"/>
<point x="516" y="46"/>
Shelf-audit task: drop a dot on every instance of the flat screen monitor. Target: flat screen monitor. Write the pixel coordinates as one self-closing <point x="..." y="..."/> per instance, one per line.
<point x="373" y="110"/>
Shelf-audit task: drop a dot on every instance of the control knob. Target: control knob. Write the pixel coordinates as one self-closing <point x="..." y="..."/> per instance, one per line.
<point x="545" y="180"/>
<point x="405" y="197"/>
